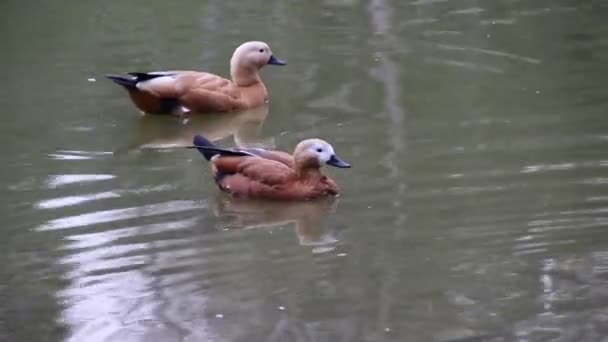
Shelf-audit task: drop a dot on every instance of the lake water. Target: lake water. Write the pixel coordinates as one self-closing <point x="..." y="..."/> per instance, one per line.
<point x="476" y="208"/>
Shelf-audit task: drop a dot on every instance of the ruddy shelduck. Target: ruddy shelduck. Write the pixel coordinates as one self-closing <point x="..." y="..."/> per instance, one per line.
<point x="260" y="173"/>
<point x="178" y="92"/>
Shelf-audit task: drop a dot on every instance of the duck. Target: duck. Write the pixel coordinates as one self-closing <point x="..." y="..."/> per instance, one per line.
<point x="273" y="175"/>
<point x="182" y="92"/>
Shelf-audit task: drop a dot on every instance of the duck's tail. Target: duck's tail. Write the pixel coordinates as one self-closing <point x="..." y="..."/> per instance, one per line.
<point x="208" y="149"/>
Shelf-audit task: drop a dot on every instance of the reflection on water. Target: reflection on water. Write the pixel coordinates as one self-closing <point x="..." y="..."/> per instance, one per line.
<point x="157" y="282"/>
<point x="475" y="211"/>
<point x="166" y="132"/>
<point x="308" y="218"/>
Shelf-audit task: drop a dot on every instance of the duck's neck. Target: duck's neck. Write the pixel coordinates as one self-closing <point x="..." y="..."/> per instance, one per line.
<point x="244" y="76"/>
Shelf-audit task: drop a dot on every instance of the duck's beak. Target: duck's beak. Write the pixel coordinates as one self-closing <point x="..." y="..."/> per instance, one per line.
<point x="275" y="61"/>
<point x="337" y="162"/>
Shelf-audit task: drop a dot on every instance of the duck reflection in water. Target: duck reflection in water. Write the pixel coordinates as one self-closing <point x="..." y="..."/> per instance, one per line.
<point x="308" y="217"/>
<point x="161" y="132"/>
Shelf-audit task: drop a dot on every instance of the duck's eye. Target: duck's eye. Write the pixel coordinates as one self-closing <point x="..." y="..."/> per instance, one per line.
<point x="319" y="150"/>
<point x="261" y="50"/>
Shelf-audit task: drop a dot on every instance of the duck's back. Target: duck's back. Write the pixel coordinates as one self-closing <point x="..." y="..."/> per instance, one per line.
<point x="278" y="156"/>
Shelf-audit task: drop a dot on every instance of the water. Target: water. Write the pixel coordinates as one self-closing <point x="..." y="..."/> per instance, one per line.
<point x="476" y="209"/>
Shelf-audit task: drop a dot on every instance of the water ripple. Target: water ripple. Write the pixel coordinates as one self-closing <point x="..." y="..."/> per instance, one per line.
<point x="547" y="167"/>
<point x="496" y="53"/>
<point x="120" y="214"/>
<point x="464" y="65"/>
<point x="75" y="200"/>
<point x="55" y="181"/>
<point x="426" y="2"/>
<point x="497" y="21"/>
<point x="472" y="10"/>
<point x="89" y="240"/>
<point x="419" y="21"/>
<point x="431" y="33"/>
<point x="77" y="155"/>
<point x="507" y="55"/>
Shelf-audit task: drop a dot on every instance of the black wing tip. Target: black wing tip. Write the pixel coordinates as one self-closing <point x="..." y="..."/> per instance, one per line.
<point x="133" y="78"/>
<point x="127" y="82"/>
<point x="208" y="149"/>
<point x="139" y="75"/>
<point x="201" y="143"/>
<point x="199" y="140"/>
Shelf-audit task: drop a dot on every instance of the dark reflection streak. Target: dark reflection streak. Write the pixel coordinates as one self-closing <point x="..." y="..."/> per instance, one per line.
<point x="383" y="41"/>
<point x="389" y="75"/>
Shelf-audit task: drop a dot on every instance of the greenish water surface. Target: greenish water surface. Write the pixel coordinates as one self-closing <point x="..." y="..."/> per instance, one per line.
<point x="476" y="208"/>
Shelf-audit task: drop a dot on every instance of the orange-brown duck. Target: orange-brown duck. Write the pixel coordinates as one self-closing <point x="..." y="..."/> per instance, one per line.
<point x="177" y="92"/>
<point x="260" y="173"/>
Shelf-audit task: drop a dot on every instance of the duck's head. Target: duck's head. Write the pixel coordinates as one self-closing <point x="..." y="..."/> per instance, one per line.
<point x="314" y="153"/>
<point x="254" y="54"/>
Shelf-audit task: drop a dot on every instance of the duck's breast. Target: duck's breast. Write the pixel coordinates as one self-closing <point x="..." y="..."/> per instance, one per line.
<point x="254" y="95"/>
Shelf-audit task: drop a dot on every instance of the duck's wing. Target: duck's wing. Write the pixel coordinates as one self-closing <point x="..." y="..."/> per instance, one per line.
<point x="197" y="91"/>
<point x="177" y="83"/>
<point x="252" y="170"/>
<point x="160" y="84"/>
<point x="266" y="171"/>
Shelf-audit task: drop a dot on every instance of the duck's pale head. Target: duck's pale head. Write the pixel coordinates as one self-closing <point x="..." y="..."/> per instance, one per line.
<point x="254" y="54"/>
<point x="316" y="153"/>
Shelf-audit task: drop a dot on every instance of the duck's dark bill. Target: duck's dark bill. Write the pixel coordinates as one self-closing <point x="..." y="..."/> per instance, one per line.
<point x="275" y="61"/>
<point x="337" y="162"/>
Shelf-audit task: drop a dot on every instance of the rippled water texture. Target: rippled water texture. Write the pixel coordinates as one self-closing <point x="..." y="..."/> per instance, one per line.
<point x="476" y="208"/>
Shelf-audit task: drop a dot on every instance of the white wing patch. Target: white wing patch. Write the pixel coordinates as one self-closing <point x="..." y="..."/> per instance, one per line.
<point x="155" y="82"/>
<point x="166" y="73"/>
